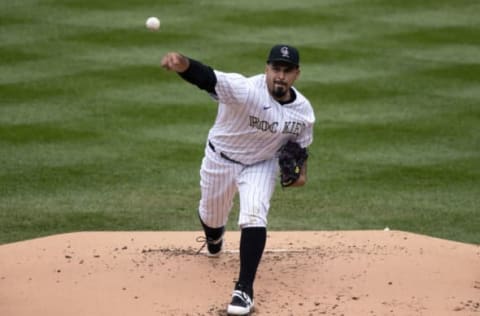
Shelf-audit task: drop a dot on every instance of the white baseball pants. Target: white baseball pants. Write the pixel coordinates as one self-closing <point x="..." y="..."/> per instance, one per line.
<point x="221" y="179"/>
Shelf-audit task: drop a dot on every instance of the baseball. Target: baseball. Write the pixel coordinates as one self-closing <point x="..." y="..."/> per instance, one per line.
<point x="152" y="23"/>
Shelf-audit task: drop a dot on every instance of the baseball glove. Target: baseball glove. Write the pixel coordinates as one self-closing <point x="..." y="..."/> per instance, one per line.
<point x="291" y="159"/>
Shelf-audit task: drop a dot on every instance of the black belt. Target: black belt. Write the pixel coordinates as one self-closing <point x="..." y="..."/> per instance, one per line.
<point x="223" y="155"/>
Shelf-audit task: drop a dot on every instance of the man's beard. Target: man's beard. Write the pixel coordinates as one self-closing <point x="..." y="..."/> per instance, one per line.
<point x="279" y="91"/>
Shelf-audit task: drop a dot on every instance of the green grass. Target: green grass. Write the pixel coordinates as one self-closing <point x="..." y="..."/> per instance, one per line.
<point x="94" y="135"/>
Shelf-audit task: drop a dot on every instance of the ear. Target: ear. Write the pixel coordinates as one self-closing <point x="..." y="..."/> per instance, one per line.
<point x="298" y="74"/>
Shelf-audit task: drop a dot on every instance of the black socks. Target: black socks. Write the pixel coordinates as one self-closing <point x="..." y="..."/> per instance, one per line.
<point x="212" y="233"/>
<point x="252" y="244"/>
<point x="214" y="238"/>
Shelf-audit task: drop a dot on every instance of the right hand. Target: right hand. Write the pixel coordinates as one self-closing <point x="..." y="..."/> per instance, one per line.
<point x="175" y="62"/>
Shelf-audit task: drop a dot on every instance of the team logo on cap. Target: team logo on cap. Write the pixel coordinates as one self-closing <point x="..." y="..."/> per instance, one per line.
<point x="284" y="51"/>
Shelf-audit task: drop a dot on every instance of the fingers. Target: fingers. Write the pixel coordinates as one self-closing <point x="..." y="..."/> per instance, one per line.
<point x="169" y="61"/>
<point x="175" y="62"/>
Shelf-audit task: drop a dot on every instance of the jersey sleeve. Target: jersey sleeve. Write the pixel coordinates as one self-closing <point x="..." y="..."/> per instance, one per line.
<point x="232" y="88"/>
<point x="200" y="75"/>
<point x="305" y="138"/>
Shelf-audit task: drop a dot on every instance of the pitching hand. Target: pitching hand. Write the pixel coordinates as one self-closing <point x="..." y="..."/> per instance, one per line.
<point x="175" y="62"/>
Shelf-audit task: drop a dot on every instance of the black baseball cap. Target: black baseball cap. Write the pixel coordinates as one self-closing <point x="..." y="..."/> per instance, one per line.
<point x="284" y="53"/>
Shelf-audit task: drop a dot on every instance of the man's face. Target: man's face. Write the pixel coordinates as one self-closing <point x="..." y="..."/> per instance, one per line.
<point x="280" y="77"/>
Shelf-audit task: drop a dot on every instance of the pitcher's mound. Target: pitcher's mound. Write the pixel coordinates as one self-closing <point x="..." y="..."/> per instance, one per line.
<point x="301" y="273"/>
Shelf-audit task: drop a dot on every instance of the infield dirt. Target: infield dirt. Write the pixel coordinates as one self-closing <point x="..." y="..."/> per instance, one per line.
<point x="301" y="273"/>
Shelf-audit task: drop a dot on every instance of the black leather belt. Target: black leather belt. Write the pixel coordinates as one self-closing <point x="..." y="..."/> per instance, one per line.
<point x="223" y="155"/>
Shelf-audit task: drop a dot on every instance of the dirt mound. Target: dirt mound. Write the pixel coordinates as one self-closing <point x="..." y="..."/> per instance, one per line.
<point x="301" y="273"/>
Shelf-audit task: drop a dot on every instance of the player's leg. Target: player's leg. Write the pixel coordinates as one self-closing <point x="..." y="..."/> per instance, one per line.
<point x="218" y="188"/>
<point x="256" y="186"/>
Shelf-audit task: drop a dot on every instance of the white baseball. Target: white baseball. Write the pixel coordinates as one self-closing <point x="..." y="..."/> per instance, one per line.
<point x="152" y="23"/>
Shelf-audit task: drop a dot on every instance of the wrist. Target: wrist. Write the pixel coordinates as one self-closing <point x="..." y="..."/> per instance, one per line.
<point x="183" y="65"/>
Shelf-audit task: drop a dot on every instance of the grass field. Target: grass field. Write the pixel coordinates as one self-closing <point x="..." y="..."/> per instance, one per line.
<point x="94" y="135"/>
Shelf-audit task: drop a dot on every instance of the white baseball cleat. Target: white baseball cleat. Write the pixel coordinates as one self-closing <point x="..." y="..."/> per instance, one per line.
<point x="241" y="304"/>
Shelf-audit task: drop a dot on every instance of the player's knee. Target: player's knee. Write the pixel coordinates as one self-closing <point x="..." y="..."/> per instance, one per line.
<point x="253" y="218"/>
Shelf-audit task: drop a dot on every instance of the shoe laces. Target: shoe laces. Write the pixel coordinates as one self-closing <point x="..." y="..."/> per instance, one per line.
<point x="207" y="240"/>
<point x="243" y="296"/>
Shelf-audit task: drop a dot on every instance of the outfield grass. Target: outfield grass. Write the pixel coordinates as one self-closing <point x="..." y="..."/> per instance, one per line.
<point x="95" y="136"/>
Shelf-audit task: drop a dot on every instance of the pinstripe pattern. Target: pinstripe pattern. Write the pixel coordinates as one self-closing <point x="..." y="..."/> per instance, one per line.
<point x="218" y="188"/>
<point x="250" y="128"/>
<point x="256" y="185"/>
<point x="221" y="180"/>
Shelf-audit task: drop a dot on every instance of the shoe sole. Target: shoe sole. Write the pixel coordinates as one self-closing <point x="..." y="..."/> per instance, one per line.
<point x="214" y="255"/>
<point x="238" y="311"/>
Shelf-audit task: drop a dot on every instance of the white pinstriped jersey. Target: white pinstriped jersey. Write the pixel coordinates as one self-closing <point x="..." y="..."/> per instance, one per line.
<point x="251" y="125"/>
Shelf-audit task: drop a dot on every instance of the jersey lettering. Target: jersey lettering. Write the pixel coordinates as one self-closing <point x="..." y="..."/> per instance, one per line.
<point x="290" y="127"/>
<point x="294" y="128"/>
<point x="264" y="126"/>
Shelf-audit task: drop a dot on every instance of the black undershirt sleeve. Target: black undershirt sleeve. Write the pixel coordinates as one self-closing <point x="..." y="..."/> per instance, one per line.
<point x="200" y="75"/>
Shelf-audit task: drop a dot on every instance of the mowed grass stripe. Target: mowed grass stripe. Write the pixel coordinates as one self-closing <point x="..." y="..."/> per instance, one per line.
<point x="440" y="14"/>
<point x="454" y="53"/>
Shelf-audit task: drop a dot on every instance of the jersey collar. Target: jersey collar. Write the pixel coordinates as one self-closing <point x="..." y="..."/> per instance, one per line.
<point x="293" y="97"/>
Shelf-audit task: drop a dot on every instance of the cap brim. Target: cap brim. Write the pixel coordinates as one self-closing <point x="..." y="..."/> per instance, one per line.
<point x="282" y="60"/>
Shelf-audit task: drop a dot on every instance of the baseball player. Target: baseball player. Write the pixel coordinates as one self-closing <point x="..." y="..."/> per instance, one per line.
<point x="256" y="116"/>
